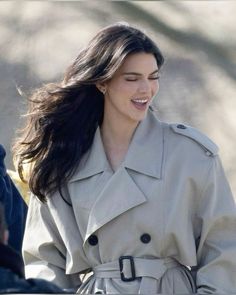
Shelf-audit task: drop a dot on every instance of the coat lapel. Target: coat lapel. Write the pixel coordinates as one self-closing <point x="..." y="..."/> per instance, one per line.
<point x="120" y="193"/>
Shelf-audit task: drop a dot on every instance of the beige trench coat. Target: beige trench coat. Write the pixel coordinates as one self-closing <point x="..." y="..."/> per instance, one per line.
<point x="168" y="206"/>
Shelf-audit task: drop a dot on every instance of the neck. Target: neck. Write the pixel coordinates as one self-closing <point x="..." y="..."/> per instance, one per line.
<point x="117" y="133"/>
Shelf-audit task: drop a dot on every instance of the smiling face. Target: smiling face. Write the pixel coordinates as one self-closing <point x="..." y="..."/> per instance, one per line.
<point x="130" y="91"/>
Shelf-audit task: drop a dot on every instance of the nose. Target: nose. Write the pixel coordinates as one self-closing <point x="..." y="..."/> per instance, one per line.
<point x="144" y="86"/>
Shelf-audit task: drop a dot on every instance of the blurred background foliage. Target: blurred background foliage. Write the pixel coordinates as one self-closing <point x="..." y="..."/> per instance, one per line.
<point x="39" y="39"/>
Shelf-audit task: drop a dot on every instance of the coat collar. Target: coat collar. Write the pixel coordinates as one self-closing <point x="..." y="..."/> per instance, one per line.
<point x="94" y="161"/>
<point x="145" y="153"/>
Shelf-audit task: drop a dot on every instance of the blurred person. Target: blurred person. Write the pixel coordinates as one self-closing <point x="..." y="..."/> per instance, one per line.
<point x="15" y="207"/>
<point x="142" y="205"/>
<point x="12" y="278"/>
<point x="22" y="187"/>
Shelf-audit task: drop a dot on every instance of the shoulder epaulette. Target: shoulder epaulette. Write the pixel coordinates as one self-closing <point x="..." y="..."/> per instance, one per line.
<point x="206" y="143"/>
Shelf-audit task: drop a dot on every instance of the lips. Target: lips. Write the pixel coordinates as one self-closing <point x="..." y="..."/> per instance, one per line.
<point x="140" y="103"/>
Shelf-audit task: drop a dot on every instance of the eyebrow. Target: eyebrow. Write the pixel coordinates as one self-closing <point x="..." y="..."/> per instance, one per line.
<point x="138" y="74"/>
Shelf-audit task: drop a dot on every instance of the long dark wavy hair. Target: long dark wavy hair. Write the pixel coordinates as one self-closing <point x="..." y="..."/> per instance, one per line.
<point x="62" y="117"/>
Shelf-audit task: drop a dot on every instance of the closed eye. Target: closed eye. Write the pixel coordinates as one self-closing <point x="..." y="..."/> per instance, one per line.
<point x="136" y="79"/>
<point x="154" y="78"/>
<point x="131" y="79"/>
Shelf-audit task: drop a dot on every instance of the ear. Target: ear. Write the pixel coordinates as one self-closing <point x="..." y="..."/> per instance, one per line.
<point x="101" y="86"/>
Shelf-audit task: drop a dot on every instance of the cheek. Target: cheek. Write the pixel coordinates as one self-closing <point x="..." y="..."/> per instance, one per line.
<point x="123" y="88"/>
<point x="155" y="89"/>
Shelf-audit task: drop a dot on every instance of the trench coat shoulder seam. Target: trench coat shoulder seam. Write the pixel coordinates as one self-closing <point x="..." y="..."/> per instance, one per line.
<point x="210" y="148"/>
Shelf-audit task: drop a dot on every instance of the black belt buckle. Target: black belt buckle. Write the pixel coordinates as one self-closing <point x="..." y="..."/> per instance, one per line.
<point x="131" y="260"/>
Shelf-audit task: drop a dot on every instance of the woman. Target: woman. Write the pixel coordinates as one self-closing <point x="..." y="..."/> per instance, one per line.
<point x="142" y="204"/>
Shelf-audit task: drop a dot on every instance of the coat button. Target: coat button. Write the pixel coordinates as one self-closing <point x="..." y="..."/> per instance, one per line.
<point x="145" y="238"/>
<point x="93" y="240"/>
<point x="181" y="126"/>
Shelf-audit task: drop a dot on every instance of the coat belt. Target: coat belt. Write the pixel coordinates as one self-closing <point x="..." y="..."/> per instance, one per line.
<point x="150" y="270"/>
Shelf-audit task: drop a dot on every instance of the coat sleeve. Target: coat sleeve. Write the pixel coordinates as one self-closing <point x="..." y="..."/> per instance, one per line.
<point x="216" y="252"/>
<point x="43" y="249"/>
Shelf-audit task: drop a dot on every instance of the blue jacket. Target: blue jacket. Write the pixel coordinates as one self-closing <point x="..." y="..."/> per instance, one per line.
<point x="12" y="276"/>
<point x="14" y="205"/>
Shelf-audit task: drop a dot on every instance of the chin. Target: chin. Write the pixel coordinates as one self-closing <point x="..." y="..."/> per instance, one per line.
<point x="139" y="118"/>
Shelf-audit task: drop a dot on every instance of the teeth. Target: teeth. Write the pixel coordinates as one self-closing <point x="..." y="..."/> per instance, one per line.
<point x="140" y="100"/>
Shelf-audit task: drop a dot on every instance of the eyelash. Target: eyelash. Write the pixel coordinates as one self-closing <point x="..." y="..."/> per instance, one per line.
<point x="133" y="80"/>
